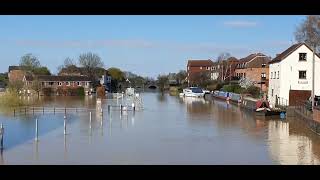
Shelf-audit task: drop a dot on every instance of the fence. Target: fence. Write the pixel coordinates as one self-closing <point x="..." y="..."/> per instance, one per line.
<point x="304" y="107"/>
<point x="65" y="110"/>
<point x="282" y="102"/>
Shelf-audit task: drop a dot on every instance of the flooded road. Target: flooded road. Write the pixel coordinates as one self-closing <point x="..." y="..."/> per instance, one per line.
<point x="170" y="130"/>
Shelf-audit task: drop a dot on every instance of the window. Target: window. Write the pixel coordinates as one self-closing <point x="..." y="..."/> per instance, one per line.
<point x="78" y="83"/>
<point x="60" y="83"/>
<point x="302" y="74"/>
<point x="271" y="75"/>
<point x="244" y="74"/>
<point x="302" y="56"/>
<point x="278" y="75"/>
<point x="68" y="83"/>
<point x="263" y="65"/>
<point x="272" y="92"/>
<point x="208" y="68"/>
<point x="263" y="75"/>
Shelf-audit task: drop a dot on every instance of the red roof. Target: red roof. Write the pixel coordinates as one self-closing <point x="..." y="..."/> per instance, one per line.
<point x="198" y="63"/>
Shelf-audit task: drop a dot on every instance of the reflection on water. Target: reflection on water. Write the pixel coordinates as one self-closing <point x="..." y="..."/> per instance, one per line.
<point x="290" y="143"/>
<point x="171" y="130"/>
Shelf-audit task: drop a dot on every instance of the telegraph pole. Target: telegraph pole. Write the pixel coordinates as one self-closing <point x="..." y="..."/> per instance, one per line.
<point x="313" y="69"/>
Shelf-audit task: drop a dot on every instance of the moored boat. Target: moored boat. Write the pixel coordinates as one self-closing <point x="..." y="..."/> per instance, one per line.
<point x="192" y="92"/>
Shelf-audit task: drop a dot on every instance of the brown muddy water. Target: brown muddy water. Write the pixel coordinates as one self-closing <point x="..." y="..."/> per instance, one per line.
<point x="170" y="130"/>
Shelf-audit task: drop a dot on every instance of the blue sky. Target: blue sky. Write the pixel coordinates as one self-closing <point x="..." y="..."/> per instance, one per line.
<point x="146" y="45"/>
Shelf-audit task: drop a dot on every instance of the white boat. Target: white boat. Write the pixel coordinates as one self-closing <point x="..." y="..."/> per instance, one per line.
<point x="192" y="92"/>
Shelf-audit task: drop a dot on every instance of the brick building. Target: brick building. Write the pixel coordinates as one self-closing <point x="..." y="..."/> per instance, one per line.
<point x="16" y="73"/>
<point x="57" y="82"/>
<point x="196" y="67"/>
<point x="255" y="68"/>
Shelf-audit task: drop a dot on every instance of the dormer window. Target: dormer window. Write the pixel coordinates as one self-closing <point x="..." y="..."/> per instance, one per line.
<point x="302" y="56"/>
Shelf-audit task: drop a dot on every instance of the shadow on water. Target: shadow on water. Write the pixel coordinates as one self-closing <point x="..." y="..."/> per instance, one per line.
<point x="21" y="129"/>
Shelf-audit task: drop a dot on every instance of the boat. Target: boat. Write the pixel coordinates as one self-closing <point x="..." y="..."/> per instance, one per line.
<point x="221" y="95"/>
<point x="192" y="92"/>
<point x="261" y="107"/>
<point x="130" y="91"/>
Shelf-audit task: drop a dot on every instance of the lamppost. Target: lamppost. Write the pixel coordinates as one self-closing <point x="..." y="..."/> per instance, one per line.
<point x="261" y="85"/>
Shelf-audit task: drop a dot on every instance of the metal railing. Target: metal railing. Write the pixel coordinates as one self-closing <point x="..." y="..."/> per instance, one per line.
<point x="282" y="102"/>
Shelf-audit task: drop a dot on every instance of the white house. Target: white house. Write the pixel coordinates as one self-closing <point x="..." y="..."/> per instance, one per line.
<point x="290" y="75"/>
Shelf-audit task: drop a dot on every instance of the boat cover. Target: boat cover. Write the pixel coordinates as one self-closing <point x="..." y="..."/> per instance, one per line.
<point x="262" y="104"/>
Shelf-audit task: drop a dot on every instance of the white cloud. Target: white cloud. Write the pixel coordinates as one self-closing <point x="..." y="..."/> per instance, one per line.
<point x="240" y="24"/>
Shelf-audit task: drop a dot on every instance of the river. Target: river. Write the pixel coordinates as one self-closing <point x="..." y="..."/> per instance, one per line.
<point x="169" y="130"/>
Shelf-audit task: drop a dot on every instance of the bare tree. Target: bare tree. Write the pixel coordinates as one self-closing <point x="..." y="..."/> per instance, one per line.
<point x="69" y="62"/>
<point x="90" y="62"/>
<point x="30" y="62"/>
<point x="223" y="56"/>
<point x="36" y="86"/>
<point x="224" y="66"/>
<point x="309" y="31"/>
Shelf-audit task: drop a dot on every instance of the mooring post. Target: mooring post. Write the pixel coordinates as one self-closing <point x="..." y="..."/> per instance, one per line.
<point x="54" y="110"/>
<point x="14" y="112"/>
<point x="42" y="109"/>
<point x="76" y="109"/>
<point x="65" y="110"/>
<point x="36" y="138"/>
<point x="133" y="107"/>
<point x="120" y="107"/>
<point x="108" y="108"/>
<point x="25" y="111"/>
<point x="64" y="125"/>
<point x="1" y="134"/>
<point x="90" y="119"/>
<point x="33" y="110"/>
<point x="101" y="112"/>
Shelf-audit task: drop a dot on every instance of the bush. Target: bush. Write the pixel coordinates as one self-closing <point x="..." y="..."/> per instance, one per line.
<point x="235" y="88"/>
<point x="47" y="91"/>
<point x="80" y="91"/>
<point x="101" y="91"/>
<point x="253" y="90"/>
<point x="11" y="99"/>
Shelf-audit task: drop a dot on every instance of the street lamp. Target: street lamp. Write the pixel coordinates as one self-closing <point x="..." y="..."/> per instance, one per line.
<point x="262" y="76"/>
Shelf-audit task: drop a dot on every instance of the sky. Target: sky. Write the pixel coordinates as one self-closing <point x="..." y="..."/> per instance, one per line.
<point x="143" y="44"/>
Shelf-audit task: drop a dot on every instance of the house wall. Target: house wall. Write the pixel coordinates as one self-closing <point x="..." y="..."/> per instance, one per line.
<point x="191" y="70"/>
<point x="254" y="74"/>
<point x="55" y="86"/>
<point x="274" y="83"/>
<point x="289" y="74"/>
<point x="16" y="75"/>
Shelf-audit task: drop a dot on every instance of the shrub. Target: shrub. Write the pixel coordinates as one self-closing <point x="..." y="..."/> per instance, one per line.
<point x="235" y="88"/>
<point x="253" y="90"/>
<point x="11" y="99"/>
<point x="80" y="91"/>
<point x="47" y="91"/>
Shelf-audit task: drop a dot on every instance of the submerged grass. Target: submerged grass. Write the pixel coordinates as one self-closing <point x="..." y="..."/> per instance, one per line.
<point x="11" y="99"/>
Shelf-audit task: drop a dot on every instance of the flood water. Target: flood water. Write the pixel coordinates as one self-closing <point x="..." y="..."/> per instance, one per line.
<point x="169" y="130"/>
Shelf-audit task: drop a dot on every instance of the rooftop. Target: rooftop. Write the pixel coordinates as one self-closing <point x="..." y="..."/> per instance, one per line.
<point x="196" y="63"/>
